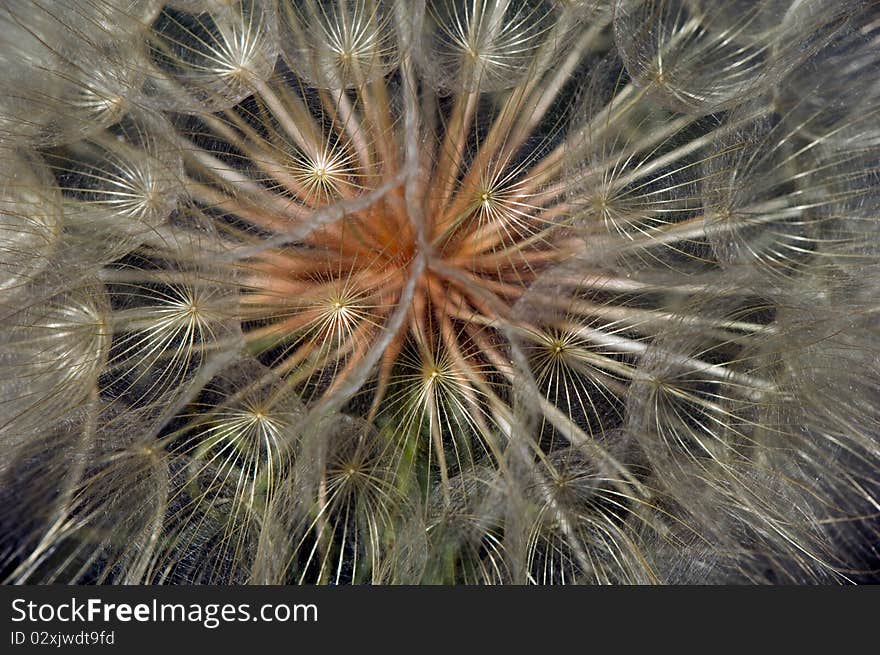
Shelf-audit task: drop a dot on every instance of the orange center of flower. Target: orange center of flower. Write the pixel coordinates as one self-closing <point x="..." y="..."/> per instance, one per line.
<point x="328" y="297"/>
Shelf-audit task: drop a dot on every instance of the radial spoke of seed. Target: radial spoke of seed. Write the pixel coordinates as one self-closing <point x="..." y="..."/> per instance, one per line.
<point x="63" y="507"/>
<point x="242" y="183"/>
<point x="282" y="328"/>
<point x="570" y="430"/>
<point x="374" y="97"/>
<point x="452" y="299"/>
<point x="278" y="296"/>
<point x="138" y="276"/>
<point x="647" y="319"/>
<point x="356" y="345"/>
<point x="603" y="281"/>
<point x="294" y="265"/>
<point x="541" y="196"/>
<point x="650" y="144"/>
<point x="538" y="248"/>
<point x="560" y="213"/>
<point x="528" y="97"/>
<point x="697" y="229"/>
<point x="509" y="229"/>
<point x="320" y="339"/>
<point x="418" y="322"/>
<point x="599" y="369"/>
<point x="566" y="426"/>
<point x="258" y="150"/>
<point x="437" y="440"/>
<point x="544" y="96"/>
<point x="755" y="387"/>
<point x="656" y="138"/>
<point x="562" y="517"/>
<point x="654" y="163"/>
<point x="329" y="167"/>
<point x="548" y="170"/>
<point x="480" y="299"/>
<point x="153" y="532"/>
<point x="353" y="126"/>
<point x="476" y="380"/>
<point x="452" y="149"/>
<point x="291" y="114"/>
<point x="551" y="165"/>
<point x="512" y="291"/>
<point x="393" y="325"/>
<point x="453" y="146"/>
<point x="511" y="128"/>
<point x="212" y="198"/>
<point x="318" y="219"/>
<point x="598" y="360"/>
<point x="386" y="368"/>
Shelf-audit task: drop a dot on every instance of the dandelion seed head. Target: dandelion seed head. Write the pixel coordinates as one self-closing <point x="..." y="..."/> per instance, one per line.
<point x="447" y="291"/>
